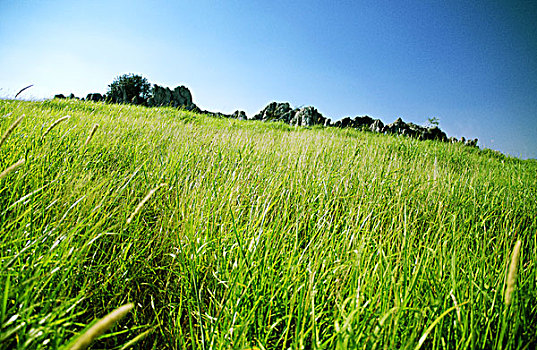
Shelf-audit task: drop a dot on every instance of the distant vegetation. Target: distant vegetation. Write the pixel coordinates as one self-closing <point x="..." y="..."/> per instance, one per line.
<point x="215" y="233"/>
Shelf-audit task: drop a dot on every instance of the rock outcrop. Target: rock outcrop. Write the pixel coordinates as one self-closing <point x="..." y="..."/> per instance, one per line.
<point x="276" y="111"/>
<point x="396" y="127"/>
<point x="96" y="97"/>
<point x="343" y="123"/>
<point x="399" y="127"/>
<point x="70" y="96"/>
<point x="282" y="112"/>
<point x="377" y="126"/>
<point x="240" y="115"/>
<point x="363" y="123"/>
<point x="307" y="116"/>
<point x="180" y="97"/>
<point x="471" y="143"/>
<point x="433" y="133"/>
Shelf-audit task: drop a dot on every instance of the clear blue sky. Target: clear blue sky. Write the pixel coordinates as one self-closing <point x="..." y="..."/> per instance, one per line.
<point x="472" y="64"/>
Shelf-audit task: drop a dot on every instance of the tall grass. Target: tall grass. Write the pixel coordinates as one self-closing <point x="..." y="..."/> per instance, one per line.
<point x="265" y="236"/>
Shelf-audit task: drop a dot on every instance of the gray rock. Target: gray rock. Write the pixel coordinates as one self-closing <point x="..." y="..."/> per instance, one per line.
<point x="377" y="126"/>
<point x="276" y="111"/>
<point x="180" y="97"/>
<point x="414" y="130"/>
<point x="399" y="127"/>
<point x="396" y="127"/>
<point x="240" y="115"/>
<point x="308" y="116"/>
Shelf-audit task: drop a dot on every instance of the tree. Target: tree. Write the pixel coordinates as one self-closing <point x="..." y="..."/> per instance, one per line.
<point x="433" y="121"/>
<point x="129" y="88"/>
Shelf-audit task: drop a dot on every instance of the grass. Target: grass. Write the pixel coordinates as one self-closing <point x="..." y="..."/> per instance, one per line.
<point x="264" y="235"/>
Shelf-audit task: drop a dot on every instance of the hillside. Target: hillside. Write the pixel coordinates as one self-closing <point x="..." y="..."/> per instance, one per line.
<point x="258" y="234"/>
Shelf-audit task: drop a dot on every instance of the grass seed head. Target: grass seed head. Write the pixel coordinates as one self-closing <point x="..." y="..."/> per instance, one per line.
<point x="142" y="202"/>
<point x="10" y="130"/>
<point x="58" y="121"/>
<point x="93" y="130"/>
<point x="512" y="275"/>
<point x="100" y="327"/>
<point x="12" y="168"/>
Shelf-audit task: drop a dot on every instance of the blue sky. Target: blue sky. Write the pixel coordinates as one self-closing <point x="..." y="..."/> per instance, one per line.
<point x="472" y="64"/>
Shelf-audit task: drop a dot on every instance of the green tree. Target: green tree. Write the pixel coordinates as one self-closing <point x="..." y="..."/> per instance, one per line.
<point x="433" y="121"/>
<point x="129" y="88"/>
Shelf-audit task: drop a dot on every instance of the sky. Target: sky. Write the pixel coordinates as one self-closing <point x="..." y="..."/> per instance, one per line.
<point x="471" y="64"/>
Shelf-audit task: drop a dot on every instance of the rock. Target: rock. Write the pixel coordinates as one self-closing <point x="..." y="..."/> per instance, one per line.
<point x="416" y="131"/>
<point x="196" y="109"/>
<point x="160" y="96"/>
<point x="276" y="111"/>
<point x="96" y="97"/>
<point x="471" y="143"/>
<point x="399" y="127"/>
<point x="363" y="123"/>
<point x="395" y="128"/>
<point x="410" y="132"/>
<point x="307" y="116"/>
<point x="240" y="115"/>
<point x="282" y="111"/>
<point x="434" y="133"/>
<point x="180" y="97"/>
<point x="377" y="126"/>
<point x="343" y="123"/>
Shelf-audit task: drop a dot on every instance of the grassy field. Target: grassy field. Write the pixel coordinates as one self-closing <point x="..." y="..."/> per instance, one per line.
<point x="258" y="235"/>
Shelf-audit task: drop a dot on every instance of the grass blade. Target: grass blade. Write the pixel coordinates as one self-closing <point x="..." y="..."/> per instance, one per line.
<point x="435" y="322"/>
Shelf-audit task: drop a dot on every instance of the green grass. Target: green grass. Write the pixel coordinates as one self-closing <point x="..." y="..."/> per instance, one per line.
<point x="264" y="235"/>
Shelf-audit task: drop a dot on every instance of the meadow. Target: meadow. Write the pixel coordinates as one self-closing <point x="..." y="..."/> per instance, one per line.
<point x="227" y="234"/>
